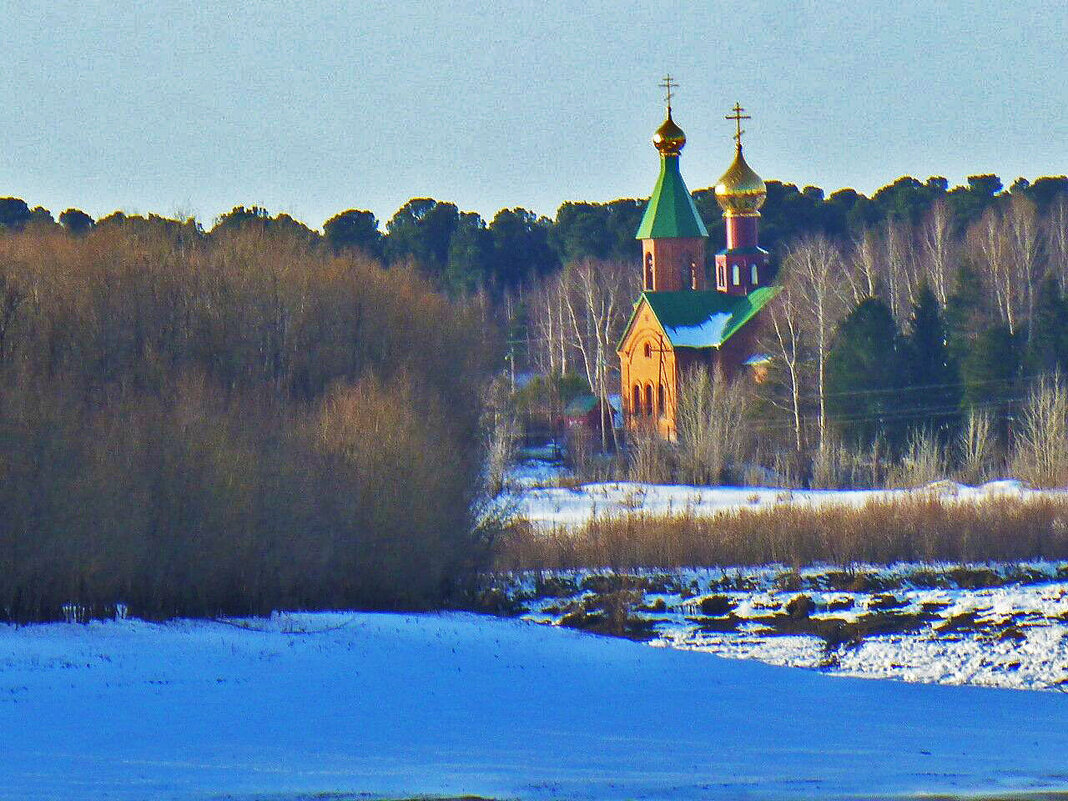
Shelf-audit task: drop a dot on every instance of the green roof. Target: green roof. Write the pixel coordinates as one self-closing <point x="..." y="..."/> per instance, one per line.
<point x="703" y="319"/>
<point x="670" y="212"/>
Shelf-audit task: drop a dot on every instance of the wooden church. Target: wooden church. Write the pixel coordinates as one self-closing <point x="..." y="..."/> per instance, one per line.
<point x="681" y="321"/>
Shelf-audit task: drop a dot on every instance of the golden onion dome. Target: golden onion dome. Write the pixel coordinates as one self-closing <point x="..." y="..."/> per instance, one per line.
<point x="669" y="138"/>
<point x="741" y="192"/>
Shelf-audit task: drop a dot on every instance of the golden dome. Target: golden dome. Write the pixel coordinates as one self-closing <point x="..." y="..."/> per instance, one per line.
<point x="669" y="138"/>
<point x="741" y="192"/>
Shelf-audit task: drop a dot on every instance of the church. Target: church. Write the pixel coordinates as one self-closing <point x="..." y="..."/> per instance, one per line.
<point x="682" y="318"/>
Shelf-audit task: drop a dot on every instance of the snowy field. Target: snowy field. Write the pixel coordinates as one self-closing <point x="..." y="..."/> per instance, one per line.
<point x="448" y="704"/>
<point x="554" y="506"/>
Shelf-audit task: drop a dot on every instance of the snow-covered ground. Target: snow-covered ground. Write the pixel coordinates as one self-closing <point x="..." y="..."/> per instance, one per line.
<point x="567" y="507"/>
<point x="1008" y="636"/>
<point x="396" y="705"/>
<point x="913" y="623"/>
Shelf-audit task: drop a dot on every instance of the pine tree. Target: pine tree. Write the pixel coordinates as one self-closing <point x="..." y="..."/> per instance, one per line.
<point x="932" y="392"/>
<point x="966" y="313"/>
<point x="865" y="375"/>
<point x="989" y="371"/>
<point x="1047" y="352"/>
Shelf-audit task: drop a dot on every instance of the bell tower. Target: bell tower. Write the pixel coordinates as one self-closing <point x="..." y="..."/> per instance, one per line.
<point x="742" y="266"/>
<point x="671" y="231"/>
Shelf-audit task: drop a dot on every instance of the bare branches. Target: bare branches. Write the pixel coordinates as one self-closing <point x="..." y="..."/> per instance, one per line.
<point x="813" y="271"/>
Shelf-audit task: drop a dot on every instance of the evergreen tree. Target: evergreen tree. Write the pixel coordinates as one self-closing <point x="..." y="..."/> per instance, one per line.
<point x="76" y="221"/>
<point x="865" y="375"/>
<point x="521" y="249"/>
<point x="932" y="391"/>
<point x="966" y="313"/>
<point x="1048" y="349"/>
<point x="989" y="371"/>
<point x="422" y="230"/>
<point x="14" y="213"/>
<point x="354" y="229"/>
<point x="470" y="255"/>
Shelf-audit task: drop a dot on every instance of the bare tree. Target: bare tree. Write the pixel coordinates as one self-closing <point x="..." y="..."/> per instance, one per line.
<point x="1021" y="230"/>
<point x="549" y="340"/>
<point x="814" y="270"/>
<point x="902" y="275"/>
<point x="863" y="275"/>
<point x="977" y="446"/>
<point x="710" y="423"/>
<point x="989" y="249"/>
<point x="1040" y="455"/>
<point x="938" y="245"/>
<point x="596" y="296"/>
<point x="783" y="336"/>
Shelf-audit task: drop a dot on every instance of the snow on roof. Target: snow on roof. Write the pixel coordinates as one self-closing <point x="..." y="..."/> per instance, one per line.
<point x="706" y="333"/>
<point x="704" y="319"/>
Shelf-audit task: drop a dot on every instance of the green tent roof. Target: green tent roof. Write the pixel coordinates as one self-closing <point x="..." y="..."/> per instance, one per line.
<point x="670" y="213"/>
<point x="703" y="319"/>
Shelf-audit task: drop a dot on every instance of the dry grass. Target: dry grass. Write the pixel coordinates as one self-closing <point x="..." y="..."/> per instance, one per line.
<point x="909" y="530"/>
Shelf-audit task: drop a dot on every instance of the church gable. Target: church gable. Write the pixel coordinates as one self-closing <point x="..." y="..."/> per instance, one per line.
<point x="643" y="325"/>
<point x="648" y="371"/>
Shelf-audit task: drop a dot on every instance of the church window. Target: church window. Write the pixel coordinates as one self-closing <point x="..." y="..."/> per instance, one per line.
<point x="693" y="275"/>
<point x="737" y="274"/>
<point x="660" y="399"/>
<point x="648" y="270"/>
<point x="649" y="400"/>
<point x="648" y="350"/>
<point x="753" y="273"/>
<point x="636" y="403"/>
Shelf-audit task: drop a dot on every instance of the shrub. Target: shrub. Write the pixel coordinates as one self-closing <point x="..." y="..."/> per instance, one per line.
<point x="233" y="425"/>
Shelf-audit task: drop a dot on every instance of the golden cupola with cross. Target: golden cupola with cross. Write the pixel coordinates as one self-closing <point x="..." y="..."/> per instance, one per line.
<point x="743" y="265"/>
<point x="671" y="231"/>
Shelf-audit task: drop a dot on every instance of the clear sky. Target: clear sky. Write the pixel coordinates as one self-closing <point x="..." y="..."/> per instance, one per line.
<point x="314" y="107"/>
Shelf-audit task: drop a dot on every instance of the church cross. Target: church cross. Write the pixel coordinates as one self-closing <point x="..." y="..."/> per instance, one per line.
<point x="668" y="85"/>
<point x="737" y="116"/>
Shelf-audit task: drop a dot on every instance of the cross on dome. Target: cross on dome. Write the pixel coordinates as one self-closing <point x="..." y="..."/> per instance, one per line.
<point x="737" y="116"/>
<point x="668" y="85"/>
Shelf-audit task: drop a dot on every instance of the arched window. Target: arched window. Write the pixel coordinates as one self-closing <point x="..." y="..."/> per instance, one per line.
<point x="737" y="274"/>
<point x="636" y="404"/>
<point x="660" y="399"/>
<point x="754" y="279"/>
<point x="693" y="275"/>
<point x="649" y="400"/>
<point x="648" y="351"/>
<point x="648" y="270"/>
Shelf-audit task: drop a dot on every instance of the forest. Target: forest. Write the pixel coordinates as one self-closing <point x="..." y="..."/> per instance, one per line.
<point x="229" y="423"/>
<point x="258" y="415"/>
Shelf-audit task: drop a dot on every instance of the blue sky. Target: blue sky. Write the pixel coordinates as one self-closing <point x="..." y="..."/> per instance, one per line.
<point x="313" y="108"/>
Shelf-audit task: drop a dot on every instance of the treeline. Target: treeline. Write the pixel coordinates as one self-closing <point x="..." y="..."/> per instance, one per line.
<point x="462" y="252"/>
<point x="937" y="340"/>
<point x="229" y="424"/>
